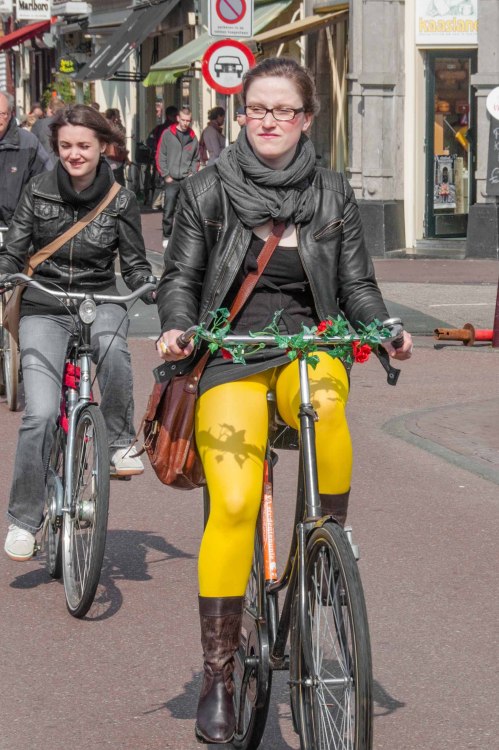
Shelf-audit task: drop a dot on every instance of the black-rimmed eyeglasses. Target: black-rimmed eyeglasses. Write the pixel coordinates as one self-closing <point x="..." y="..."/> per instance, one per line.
<point x="278" y="113"/>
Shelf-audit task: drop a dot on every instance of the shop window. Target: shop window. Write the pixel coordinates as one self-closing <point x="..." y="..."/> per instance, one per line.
<point x="450" y="136"/>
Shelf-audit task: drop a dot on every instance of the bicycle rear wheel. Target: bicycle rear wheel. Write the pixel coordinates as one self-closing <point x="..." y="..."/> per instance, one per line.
<point x="84" y="531"/>
<point x="331" y="690"/>
<point x="252" y="673"/>
<point x="10" y="366"/>
<point x="52" y="524"/>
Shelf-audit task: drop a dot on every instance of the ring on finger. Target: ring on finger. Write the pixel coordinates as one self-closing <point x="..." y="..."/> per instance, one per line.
<point x="165" y="348"/>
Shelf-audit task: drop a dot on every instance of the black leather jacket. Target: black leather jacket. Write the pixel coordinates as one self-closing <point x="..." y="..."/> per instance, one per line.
<point x="209" y="242"/>
<point x="85" y="263"/>
<point x="21" y="157"/>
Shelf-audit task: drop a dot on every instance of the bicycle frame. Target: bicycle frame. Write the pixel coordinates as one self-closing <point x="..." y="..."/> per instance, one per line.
<point x="81" y="397"/>
<point x="84" y="398"/>
<point x="307" y="516"/>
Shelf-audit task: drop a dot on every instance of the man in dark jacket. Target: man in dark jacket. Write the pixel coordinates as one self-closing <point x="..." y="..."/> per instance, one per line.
<point x="21" y="158"/>
<point x="41" y="128"/>
<point x="177" y="157"/>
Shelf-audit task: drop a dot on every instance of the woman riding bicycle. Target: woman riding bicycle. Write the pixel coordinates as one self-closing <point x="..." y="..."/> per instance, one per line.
<point x="50" y="205"/>
<point x="320" y="268"/>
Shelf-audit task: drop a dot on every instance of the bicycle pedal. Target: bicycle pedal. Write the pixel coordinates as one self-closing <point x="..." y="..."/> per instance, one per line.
<point x="36" y="549"/>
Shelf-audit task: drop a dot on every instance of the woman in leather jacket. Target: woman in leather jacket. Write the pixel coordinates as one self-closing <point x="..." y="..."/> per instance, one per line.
<point x="50" y="204"/>
<point x="321" y="267"/>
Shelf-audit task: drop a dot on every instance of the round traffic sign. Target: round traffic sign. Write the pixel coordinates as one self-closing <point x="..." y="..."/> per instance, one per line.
<point x="231" y="11"/>
<point x="224" y="64"/>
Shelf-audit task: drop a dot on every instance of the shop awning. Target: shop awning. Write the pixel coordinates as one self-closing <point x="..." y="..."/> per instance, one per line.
<point x="105" y="21"/>
<point x="299" y="28"/>
<point x="26" y="32"/>
<point x="171" y="67"/>
<point x="133" y="30"/>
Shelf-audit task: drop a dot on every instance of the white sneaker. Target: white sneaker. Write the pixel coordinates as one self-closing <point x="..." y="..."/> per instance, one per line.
<point x="20" y="544"/>
<point x="125" y="463"/>
<point x="165" y="242"/>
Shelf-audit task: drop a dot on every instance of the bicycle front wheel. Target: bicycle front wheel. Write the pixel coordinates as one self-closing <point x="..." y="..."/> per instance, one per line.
<point x="331" y="689"/>
<point x="252" y="673"/>
<point x="85" y="528"/>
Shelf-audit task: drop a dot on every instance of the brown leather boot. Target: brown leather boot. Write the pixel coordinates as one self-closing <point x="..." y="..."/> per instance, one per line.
<point x="336" y="506"/>
<point x="220" y="628"/>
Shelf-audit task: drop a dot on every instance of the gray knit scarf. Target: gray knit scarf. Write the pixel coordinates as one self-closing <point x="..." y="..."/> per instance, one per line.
<point x="259" y="193"/>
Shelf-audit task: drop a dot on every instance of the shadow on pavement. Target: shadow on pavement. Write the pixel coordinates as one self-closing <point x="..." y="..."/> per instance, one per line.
<point x="384" y="703"/>
<point x="126" y="558"/>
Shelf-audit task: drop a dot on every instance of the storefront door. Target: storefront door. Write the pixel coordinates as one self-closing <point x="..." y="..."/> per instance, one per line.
<point x="449" y="143"/>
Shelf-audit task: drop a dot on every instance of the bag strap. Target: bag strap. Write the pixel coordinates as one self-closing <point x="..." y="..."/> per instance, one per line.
<point x="244" y="292"/>
<point x="251" y="279"/>
<point x="51" y="248"/>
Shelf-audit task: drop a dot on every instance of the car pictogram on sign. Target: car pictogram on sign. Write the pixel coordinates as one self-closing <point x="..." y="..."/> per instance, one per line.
<point x="224" y="64"/>
<point x="228" y="64"/>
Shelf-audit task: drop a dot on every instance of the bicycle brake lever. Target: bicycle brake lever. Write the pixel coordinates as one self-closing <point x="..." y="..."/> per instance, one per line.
<point x="392" y="373"/>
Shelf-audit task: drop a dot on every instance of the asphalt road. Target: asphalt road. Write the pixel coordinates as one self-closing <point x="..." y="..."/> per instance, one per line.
<point x="127" y="676"/>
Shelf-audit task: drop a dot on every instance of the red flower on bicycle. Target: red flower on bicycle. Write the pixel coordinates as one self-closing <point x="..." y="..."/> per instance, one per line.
<point x="323" y="325"/>
<point x="225" y="354"/>
<point x="360" y="352"/>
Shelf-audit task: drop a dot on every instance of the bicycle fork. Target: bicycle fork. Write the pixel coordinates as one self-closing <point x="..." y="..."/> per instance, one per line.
<point x="76" y="403"/>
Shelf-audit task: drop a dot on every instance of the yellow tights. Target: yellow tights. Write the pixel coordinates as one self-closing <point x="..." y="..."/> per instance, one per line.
<point x="231" y="434"/>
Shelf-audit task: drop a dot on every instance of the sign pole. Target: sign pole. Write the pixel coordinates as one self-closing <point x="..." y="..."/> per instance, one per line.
<point x="228" y="117"/>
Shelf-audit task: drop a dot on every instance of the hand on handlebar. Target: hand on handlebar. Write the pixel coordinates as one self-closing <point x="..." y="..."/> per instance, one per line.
<point x="400" y="349"/>
<point x="168" y="348"/>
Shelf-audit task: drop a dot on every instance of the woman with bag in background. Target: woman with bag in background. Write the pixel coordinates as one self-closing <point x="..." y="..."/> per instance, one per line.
<point x="264" y="189"/>
<point x="51" y="205"/>
<point x="116" y="152"/>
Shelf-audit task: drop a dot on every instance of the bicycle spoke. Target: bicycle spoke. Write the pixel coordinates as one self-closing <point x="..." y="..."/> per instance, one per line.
<point x="85" y="529"/>
<point x="333" y="693"/>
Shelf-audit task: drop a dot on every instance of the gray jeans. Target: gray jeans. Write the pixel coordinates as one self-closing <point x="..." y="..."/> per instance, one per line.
<point x="43" y="341"/>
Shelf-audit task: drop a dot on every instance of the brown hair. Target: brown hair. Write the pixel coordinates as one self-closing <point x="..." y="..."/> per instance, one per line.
<point x="55" y="104"/>
<point x="285" y="67"/>
<point x="86" y="117"/>
<point x="216" y="112"/>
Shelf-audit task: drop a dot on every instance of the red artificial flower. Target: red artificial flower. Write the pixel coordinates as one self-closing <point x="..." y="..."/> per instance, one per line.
<point x="323" y="325"/>
<point x="360" y="353"/>
<point x="225" y="354"/>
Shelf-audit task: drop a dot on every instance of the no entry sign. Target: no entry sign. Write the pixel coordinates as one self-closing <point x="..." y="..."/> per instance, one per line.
<point x="224" y="64"/>
<point x="231" y="18"/>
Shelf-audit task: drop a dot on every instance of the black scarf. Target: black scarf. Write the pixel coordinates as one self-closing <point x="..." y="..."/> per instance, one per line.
<point x="259" y="193"/>
<point x="92" y="195"/>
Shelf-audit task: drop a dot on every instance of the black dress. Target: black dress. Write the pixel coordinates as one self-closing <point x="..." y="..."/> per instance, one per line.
<point x="282" y="286"/>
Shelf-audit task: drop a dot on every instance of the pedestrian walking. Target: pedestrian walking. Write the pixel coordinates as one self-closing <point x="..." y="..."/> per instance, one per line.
<point x="212" y="140"/>
<point x="178" y="158"/>
<point x="21" y="157"/>
<point x="241" y="116"/>
<point x="41" y="128"/>
<point x="116" y="153"/>
<point x="320" y="268"/>
<point x="52" y="203"/>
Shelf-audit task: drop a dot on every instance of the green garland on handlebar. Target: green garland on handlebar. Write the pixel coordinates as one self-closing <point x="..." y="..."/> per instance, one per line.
<point x="353" y="347"/>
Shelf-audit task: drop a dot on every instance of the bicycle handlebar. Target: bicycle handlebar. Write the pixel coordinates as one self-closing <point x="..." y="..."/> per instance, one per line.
<point x="22" y="278"/>
<point x="397" y="339"/>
